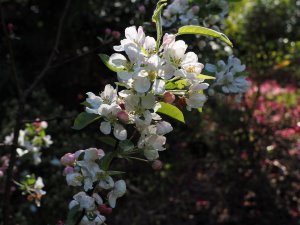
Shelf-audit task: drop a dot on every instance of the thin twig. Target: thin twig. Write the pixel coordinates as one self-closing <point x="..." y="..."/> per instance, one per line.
<point x="11" y="52"/>
<point x="22" y="100"/>
<point x="55" y="66"/>
<point x="53" y="53"/>
<point x="50" y="119"/>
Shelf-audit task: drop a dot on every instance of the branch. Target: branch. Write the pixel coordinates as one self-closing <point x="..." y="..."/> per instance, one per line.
<point x="53" y="53"/>
<point x="11" y="52"/>
<point x="58" y="118"/>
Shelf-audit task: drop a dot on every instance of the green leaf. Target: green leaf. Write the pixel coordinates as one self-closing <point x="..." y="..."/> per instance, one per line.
<point x="171" y="111"/>
<point x="74" y="215"/>
<point x="170" y="86"/>
<point x="156" y="18"/>
<point x="120" y="84"/>
<point x="126" y="145"/>
<point x="205" y="77"/>
<point x="85" y="103"/>
<point x="84" y="119"/>
<point x="105" y="60"/>
<point x="106" y="160"/>
<point x="200" y="110"/>
<point x="108" y="140"/>
<point x="198" y="30"/>
<point x="181" y="84"/>
<point x="30" y="180"/>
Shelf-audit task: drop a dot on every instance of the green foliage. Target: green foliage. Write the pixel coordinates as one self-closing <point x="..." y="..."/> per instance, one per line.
<point x="198" y="30"/>
<point x="105" y="60"/>
<point x="106" y="160"/>
<point x="84" y="119"/>
<point x="108" y="140"/>
<point x="126" y="145"/>
<point x="156" y="18"/>
<point x="74" y="215"/>
<point x="171" y="111"/>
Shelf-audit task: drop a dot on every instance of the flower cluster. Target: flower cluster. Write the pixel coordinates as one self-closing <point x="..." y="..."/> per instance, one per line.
<point x="82" y="169"/>
<point x="228" y="77"/>
<point x="145" y="72"/>
<point x="184" y="13"/>
<point x="180" y="10"/>
<point x="35" y="192"/>
<point x="31" y="140"/>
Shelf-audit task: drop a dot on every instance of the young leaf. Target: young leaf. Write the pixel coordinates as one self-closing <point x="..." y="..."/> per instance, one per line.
<point x="198" y="30"/>
<point x="106" y="160"/>
<point x="126" y="145"/>
<point x="105" y="60"/>
<point x="156" y="18"/>
<point x="73" y="215"/>
<point x="171" y="111"/>
<point x="181" y="83"/>
<point x="84" y="119"/>
<point x="108" y="140"/>
<point x="170" y="85"/>
<point x="85" y="103"/>
<point x="205" y="77"/>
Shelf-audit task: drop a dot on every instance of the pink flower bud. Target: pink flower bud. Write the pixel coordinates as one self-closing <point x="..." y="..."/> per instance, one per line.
<point x="142" y="9"/>
<point x="169" y="97"/>
<point x="108" y="31"/>
<point x="44" y="124"/>
<point x="157" y="165"/>
<point x="100" y="153"/>
<point x="68" y="159"/>
<point x="122" y="105"/>
<point x="116" y="34"/>
<point x="10" y="27"/>
<point x="1" y="173"/>
<point x="123" y="116"/>
<point x="104" y="209"/>
<point x="68" y="170"/>
<point x="195" y="9"/>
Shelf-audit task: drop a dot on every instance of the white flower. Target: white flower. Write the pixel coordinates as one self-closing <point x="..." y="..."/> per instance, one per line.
<point x="86" y="202"/>
<point x="94" y="101"/>
<point x="107" y="183"/>
<point x="118" y="191"/>
<point x="196" y="98"/>
<point x="108" y="96"/>
<point x="226" y="76"/>
<point x="163" y="128"/>
<point x="142" y="84"/>
<point x="74" y="179"/>
<point x="151" y="144"/>
<point x="97" y="198"/>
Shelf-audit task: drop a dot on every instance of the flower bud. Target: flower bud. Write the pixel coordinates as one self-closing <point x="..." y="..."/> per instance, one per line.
<point x="108" y="31"/>
<point x="104" y="209"/>
<point x="195" y="9"/>
<point x="123" y="116"/>
<point x="116" y="34"/>
<point x="122" y="105"/>
<point x="10" y="27"/>
<point x="182" y="102"/>
<point x="142" y="9"/>
<point x="169" y="97"/>
<point x="68" y="170"/>
<point x="68" y="159"/>
<point x="44" y="124"/>
<point x="157" y="165"/>
<point x="100" y="153"/>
